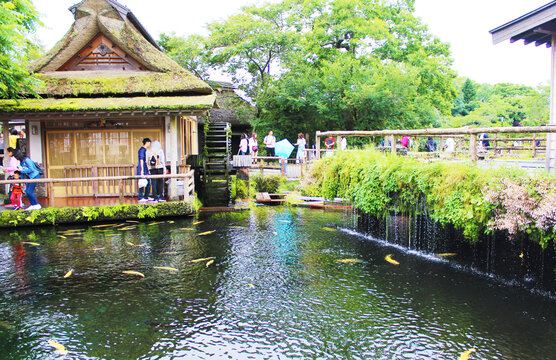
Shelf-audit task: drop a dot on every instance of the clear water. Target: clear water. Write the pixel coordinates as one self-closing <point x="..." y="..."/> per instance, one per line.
<point x="303" y="303"/>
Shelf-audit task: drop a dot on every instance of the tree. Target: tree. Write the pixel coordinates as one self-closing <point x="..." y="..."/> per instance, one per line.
<point x="18" y="19"/>
<point x="190" y="52"/>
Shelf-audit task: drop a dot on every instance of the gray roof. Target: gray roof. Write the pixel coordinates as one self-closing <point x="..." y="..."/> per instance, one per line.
<point x="536" y="26"/>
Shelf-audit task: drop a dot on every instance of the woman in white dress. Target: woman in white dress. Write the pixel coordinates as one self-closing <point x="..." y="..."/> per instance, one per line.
<point x="301" y="144"/>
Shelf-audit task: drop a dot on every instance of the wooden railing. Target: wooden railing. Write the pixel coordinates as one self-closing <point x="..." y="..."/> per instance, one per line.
<point x="467" y="139"/>
<point x="288" y="167"/>
<point x="188" y="182"/>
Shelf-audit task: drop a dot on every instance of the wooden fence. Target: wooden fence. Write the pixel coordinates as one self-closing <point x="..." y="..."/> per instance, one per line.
<point x="467" y="140"/>
<point x="287" y="167"/>
<point x="188" y="182"/>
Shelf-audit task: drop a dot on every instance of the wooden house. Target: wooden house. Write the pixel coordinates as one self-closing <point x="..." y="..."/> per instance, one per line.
<point x="105" y="86"/>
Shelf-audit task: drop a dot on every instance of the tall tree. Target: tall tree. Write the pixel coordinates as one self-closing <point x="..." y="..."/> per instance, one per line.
<point x="18" y="19"/>
<point x="190" y="52"/>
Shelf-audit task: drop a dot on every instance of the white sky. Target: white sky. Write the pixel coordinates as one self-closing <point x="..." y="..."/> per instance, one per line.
<point x="462" y="23"/>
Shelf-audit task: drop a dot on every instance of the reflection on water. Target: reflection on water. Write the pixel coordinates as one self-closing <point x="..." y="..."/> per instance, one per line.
<point x="276" y="290"/>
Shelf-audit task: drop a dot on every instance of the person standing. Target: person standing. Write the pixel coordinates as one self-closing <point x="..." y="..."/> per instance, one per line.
<point x="30" y="171"/>
<point x="431" y="144"/>
<point x="143" y="170"/>
<point x="14" y="135"/>
<point x="270" y="142"/>
<point x="343" y="143"/>
<point x="157" y="165"/>
<point x="243" y="145"/>
<point x="16" y="191"/>
<point x="450" y="145"/>
<point x="253" y="145"/>
<point x="301" y="144"/>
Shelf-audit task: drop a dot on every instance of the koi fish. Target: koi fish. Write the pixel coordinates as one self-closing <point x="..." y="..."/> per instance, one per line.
<point x="132" y="221"/>
<point x="390" y="260"/>
<point x="446" y="254"/>
<point x="128" y="228"/>
<point x="59" y="347"/>
<point x="209" y="263"/>
<point x="155" y="223"/>
<point x="275" y="233"/>
<point x="68" y="274"/>
<point x="350" y="261"/>
<point x="171" y="222"/>
<point x="251" y="286"/>
<point x="101" y="226"/>
<point x="141" y="245"/>
<point x="170" y="253"/>
<point x="521" y="256"/>
<point x="31" y="243"/>
<point x="6" y="325"/>
<point x="285" y="221"/>
<point x="131" y="272"/>
<point x="207" y="233"/>
<point x="166" y="268"/>
<point x="329" y="229"/>
<point x="62" y="237"/>
<point x="97" y="249"/>
<point x="198" y="222"/>
<point x="201" y="260"/>
<point x="465" y="355"/>
<point x="130" y="243"/>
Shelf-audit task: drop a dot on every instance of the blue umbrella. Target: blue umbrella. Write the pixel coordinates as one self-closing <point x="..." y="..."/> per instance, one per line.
<point x="283" y="148"/>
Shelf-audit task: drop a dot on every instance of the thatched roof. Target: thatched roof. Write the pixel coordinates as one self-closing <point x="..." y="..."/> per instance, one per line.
<point x="185" y="103"/>
<point x="232" y="108"/>
<point x="121" y="27"/>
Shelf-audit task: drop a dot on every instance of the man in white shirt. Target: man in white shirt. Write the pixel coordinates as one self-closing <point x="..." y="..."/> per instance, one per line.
<point x="270" y="141"/>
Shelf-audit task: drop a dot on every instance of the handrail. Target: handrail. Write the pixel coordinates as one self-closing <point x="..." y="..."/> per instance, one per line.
<point x="104" y="178"/>
<point x="443" y="131"/>
<point x="189" y="186"/>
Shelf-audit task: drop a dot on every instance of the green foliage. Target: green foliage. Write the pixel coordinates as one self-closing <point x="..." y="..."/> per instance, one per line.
<point x="499" y="105"/>
<point x="452" y="193"/>
<point x="54" y="216"/>
<point x="17" y="20"/>
<point x="190" y="52"/>
<point x="268" y="184"/>
<point x="329" y="64"/>
<point x="239" y="189"/>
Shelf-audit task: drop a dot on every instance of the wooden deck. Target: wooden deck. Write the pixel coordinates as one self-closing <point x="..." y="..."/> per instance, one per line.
<point x="80" y="201"/>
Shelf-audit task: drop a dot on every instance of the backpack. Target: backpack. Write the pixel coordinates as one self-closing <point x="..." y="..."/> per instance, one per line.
<point x="153" y="161"/>
<point x="39" y="168"/>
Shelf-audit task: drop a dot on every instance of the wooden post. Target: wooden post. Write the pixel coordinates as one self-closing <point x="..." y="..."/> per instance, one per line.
<point x="121" y="190"/>
<point x="51" y="194"/>
<point x="534" y="145"/>
<point x="495" y="143"/>
<point x="6" y="134"/>
<point x="303" y="163"/>
<point x="317" y="144"/>
<point x="172" y="154"/>
<point x="473" y="148"/>
<point x="283" y="162"/>
<point x="393" y="144"/>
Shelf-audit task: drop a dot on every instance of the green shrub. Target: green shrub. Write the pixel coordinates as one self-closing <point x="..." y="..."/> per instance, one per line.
<point x="453" y="193"/>
<point x="269" y="184"/>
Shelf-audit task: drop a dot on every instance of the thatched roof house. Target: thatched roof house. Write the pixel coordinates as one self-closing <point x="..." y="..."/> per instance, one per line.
<point x="104" y="86"/>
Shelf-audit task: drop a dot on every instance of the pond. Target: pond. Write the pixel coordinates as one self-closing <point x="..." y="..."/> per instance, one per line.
<point x="284" y="283"/>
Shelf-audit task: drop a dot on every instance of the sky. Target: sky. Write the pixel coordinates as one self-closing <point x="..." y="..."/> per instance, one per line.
<point x="464" y="24"/>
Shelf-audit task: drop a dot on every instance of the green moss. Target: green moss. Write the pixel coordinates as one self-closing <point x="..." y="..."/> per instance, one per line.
<point x="203" y="102"/>
<point x="54" y="216"/>
<point x="119" y="82"/>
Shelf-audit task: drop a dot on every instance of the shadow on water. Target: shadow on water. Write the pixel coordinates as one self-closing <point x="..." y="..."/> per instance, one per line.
<point x="276" y="289"/>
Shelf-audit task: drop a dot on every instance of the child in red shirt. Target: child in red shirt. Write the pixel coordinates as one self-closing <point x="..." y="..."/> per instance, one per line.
<point x="17" y="192"/>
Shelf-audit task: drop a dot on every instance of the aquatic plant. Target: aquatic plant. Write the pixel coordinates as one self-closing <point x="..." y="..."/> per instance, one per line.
<point x="268" y="183"/>
<point x="473" y="199"/>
